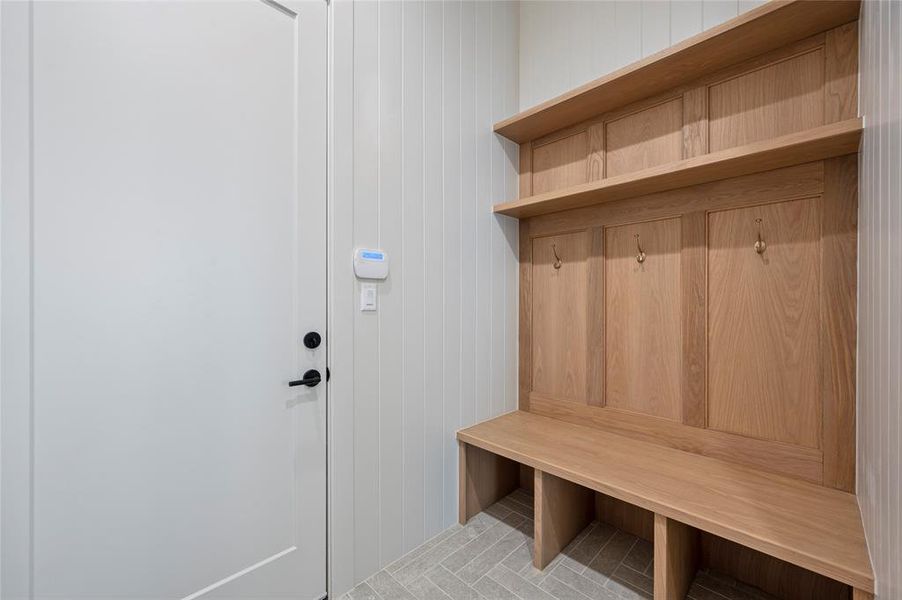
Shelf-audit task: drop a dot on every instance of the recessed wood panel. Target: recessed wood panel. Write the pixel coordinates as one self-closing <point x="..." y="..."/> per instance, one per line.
<point x="763" y="322"/>
<point x="776" y="100"/>
<point x="560" y="163"/>
<point x="644" y="139"/>
<point x="559" y="316"/>
<point x="643" y="342"/>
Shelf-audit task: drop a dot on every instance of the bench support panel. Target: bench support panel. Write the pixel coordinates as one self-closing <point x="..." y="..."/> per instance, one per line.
<point x="485" y="478"/>
<point x="861" y="595"/>
<point x="676" y="558"/>
<point x="563" y="509"/>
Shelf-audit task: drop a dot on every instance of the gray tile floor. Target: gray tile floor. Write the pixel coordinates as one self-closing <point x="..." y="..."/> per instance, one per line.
<point x="491" y="559"/>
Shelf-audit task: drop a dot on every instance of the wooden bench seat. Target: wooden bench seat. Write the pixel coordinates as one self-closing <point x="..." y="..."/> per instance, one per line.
<point x="811" y="526"/>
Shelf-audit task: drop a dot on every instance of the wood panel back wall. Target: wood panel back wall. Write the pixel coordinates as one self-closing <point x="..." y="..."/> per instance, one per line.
<point x="657" y="316"/>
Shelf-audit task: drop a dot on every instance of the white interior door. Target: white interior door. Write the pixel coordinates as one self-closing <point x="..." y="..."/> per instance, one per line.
<point x="162" y="260"/>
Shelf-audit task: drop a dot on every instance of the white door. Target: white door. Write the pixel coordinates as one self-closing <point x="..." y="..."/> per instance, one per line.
<point x="164" y="255"/>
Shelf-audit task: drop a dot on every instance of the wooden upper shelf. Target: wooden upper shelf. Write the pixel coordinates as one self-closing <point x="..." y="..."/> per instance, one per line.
<point x="827" y="141"/>
<point x="814" y="527"/>
<point x="769" y="26"/>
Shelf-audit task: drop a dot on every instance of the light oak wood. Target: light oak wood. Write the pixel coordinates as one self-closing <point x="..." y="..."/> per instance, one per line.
<point x="625" y="516"/>
<point x="642" y="133"/>
<point x="559" y="316"/>
<point x="839" y="283"/>
<point x="527" y="478"/>
<point x="767" y="573"/>
<point x="776" y="100"/>
<point x="525" y="175"/>
<point x="841" y="85"/>
<point x="693" y="300"/>
<point x="644" y="139"/>
<point x="563" y="509"/>
<point x="836" y="139"/>
<point x="595" y="333"/>
<point x="858" y="594"/>
<point x="525" y="316"/>
<point x="485" y="478"/>
<point x="676" y="558"/>
<point x="695" y="122"/>
<point x="800" y="181"/>
<point x="774" y="186"/>
<point x="764" y="371"/>
<point x="559" y="164"/>
<point x="771" y="25"/>
<point x="784" y="459"/>
<point x="812" y="526"/>
<point x="595" y="161"/>
<point x="643" y="342"/>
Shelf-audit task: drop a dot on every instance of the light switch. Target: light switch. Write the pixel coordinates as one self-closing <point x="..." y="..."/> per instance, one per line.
<point x="368" y="297"/>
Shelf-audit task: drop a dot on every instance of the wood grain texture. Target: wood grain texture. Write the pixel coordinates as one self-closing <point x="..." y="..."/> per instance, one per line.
<point x="838" y="318"/>
<point x="527" y="478"/>
<point x="767" y="573"/>
<point x="525" y="174"/>
<point x="800" y="181"/>
<point x="764" y="321"/>
<point x="559" y="164"/>
<point x="836" y="139"/>
<point x="812" y="526"/>
<point x="625" y="516"/>
<point x="525" y="317"/>
<point x="595" y="161"/>
<point x="676" y="558"/>
<point x="841" y="73"/>
<point x="769" y="26"/>
<point x="643" y="338"/>
<point x="693" y="300"/>
<point x="559" y="316"/>
<point x="784" y="459"/>
<point x="858" y="594"/>
<point x="563" y="509"/>
<point x="595" y="367"/>
<point x="695" y="122"/>
<point x="644" y="139"/>
<point x="485" y="478"/>
<point x="776" y="100"/>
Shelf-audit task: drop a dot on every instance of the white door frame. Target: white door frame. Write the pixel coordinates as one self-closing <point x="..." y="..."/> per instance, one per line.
<point x="16" y="187"/>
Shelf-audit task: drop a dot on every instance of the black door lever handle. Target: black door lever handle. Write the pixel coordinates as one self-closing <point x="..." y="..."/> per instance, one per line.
<point x="311" y="379"/>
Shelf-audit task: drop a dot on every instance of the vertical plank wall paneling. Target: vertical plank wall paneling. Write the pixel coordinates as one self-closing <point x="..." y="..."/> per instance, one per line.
<point x="565" y="43"/>
<point x="415" y="170"/>
<point x="880" y="292"/>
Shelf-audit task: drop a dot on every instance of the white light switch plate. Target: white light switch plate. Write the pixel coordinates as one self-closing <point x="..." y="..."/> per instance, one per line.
<point x="368" y="297"/>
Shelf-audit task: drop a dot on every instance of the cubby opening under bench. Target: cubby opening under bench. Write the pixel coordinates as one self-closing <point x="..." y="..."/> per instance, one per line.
<point x="687" y="329"/>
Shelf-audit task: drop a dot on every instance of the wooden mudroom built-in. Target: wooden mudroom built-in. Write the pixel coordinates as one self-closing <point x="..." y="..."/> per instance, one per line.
<point x="687" y="310"/>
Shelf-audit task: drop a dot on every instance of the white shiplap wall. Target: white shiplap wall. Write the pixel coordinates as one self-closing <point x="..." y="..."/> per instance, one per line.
<point x="415" y="170"/>
<point x="566" y="43"/>
<point x="880" y="292"/>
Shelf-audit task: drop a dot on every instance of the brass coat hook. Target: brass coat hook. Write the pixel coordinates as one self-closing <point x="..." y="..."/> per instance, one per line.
<point x="760" y="245"/>
<point x="640" y="257"/>
<point x="557" y="259"/>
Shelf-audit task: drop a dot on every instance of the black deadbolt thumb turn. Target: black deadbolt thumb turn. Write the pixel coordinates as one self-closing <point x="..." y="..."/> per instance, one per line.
<point x="311" y="378"/>
<point x="312" y="340"/>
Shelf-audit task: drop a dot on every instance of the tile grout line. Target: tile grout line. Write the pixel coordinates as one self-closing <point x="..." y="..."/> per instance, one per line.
<point x="489" y="548"/>
<point x="515" y="594"/>
<point x="594" y="556"/>
<point x="568" y="586"/>
<point x="499" y="524"/>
